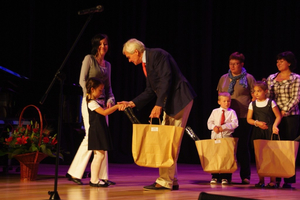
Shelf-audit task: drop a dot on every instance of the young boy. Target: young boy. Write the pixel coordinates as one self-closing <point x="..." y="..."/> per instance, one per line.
<point x="222" y="122"/>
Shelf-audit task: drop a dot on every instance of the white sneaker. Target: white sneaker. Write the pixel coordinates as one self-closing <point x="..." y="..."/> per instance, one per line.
<point x="213" y="181"/>
<point x="224" y="182"/>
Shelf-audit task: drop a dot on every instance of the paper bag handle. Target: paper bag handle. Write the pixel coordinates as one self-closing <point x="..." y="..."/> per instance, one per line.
<point x="275" y="134"/>
<point x="158" y="119"/>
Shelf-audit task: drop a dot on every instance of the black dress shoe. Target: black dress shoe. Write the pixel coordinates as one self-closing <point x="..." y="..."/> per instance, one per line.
<point x="155" y="187"/>
<point x="175" y="187"/>
<point x="287" y="185"/>
<point x="108" y="182"/>
<point x="75" y="180"/>
<point x="98" y="184"/>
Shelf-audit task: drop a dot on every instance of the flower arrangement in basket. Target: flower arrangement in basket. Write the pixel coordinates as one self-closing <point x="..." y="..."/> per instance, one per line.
<point x="26" y="140"/>
<point x="29" y="139"/>
<point x="30" y="145"/>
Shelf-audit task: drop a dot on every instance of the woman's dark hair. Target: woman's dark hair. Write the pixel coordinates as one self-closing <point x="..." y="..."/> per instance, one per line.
<point x="96" y="42"/>
<point x="237" y="56"/>
<point x="289" y="57"/>
<point x="92" y="82"/>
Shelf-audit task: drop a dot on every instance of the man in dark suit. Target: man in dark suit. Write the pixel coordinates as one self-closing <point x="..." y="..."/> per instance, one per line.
<point x="174" y="96"/>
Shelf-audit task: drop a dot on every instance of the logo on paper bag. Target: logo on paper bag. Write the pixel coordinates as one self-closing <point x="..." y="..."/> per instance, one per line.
<point x="154" y="129"/>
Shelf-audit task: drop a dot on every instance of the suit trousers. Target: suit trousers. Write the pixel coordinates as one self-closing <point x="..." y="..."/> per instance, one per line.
<point x="168" y="176"/>
<point x="83" y="155"/>
<point x="243" y="132"/>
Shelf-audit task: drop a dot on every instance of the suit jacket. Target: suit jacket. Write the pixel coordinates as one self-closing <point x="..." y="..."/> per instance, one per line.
<point x="165" y="82"/>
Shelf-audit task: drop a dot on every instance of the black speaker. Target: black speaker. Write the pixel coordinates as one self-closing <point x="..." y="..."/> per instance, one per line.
<point x="206" y="196"/>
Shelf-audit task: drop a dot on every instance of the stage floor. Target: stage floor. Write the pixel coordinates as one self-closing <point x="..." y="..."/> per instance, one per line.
<point x="130" y="180"/>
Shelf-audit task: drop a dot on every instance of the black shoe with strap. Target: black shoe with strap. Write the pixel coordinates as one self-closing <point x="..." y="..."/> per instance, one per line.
<point x="75" y="180"/>
<point x="108" y="182"/>
<point x="98" y="184"/>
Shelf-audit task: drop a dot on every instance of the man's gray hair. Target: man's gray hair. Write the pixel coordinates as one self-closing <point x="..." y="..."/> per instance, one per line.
<point x="133" y="44"/>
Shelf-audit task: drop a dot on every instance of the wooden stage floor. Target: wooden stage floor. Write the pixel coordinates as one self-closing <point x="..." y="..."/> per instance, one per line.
<point x="130" y="180"/>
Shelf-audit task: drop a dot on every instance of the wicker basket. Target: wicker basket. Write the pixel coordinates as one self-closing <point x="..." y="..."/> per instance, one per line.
<point x="28" y="166"/>
<point x="29" y="162"/>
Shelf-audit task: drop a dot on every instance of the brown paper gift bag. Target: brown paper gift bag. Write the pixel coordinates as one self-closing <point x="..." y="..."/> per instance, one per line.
<point x="218" y="155"/>
<point x="155" y="145"/>
<point x="275" y="157"/>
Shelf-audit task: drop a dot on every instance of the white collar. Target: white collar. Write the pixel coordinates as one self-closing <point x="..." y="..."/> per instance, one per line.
<point x="144" y="57"/>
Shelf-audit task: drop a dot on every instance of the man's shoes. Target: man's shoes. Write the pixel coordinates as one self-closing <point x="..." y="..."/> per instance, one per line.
<point x="245" y="181"/>
<point x="108" y="182"/>
<point x="75" y="180"/>
<point x="155" y="186"/>
<point x="287" y="185"/>
<point x="98" y="184"/>
<point x="175" y="187"/>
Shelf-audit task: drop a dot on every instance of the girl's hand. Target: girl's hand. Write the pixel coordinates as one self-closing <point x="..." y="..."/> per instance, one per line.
<point x="284" y="114"/>
<point x="275" y="130"/>
<point x="121" y="107"/>
<point x="127" y="103"/>
<point x="262" y="125"/>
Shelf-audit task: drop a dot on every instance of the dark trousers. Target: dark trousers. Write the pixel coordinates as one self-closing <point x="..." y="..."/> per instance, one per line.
<point x="288" y="130"/>
<point x="243" y="132"/>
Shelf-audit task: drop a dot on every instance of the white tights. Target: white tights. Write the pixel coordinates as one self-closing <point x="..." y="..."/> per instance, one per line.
<point x="99" y="156"/>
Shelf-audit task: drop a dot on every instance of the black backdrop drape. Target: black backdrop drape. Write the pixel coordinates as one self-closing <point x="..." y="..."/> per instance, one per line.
<point x="37" y="35"/>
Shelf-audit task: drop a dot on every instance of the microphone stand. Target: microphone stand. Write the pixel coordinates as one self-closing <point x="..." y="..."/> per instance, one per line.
<point x="61" y="78"/>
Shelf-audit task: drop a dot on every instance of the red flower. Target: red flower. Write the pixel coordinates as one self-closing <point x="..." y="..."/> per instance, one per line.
<point x="8" y="140"/>
<point x="22" y="140"/>
<point x="35" y="130"/>
<point x="54" y="141"/>
<point x="45" y="140"/>
<point x="28" y="127"/>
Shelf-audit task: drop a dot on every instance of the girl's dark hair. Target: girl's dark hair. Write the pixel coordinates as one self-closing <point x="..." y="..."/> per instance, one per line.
<point x="289" y="57"/>
<point x="96" y="42"/>
<point x="92" y="82"/>
<point x="262" y="84"/>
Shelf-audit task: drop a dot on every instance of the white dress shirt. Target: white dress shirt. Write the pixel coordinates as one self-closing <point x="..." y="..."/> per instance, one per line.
<point x="231" y="122"/>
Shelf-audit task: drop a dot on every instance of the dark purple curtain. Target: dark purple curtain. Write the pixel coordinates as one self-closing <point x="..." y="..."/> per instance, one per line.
<point x="37" y="35"/>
